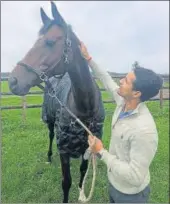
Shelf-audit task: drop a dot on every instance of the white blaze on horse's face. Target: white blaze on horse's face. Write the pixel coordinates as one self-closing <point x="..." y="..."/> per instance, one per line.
<point x="44" y="56"/>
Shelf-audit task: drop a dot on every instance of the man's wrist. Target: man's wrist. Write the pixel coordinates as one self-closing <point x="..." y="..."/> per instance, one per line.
<point x="100" y="153"/>
<point x="89" y="59"/>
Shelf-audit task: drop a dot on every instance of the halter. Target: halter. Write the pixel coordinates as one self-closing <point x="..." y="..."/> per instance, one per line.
<point x="44" y="77"/>
<point x="43" y="74"/>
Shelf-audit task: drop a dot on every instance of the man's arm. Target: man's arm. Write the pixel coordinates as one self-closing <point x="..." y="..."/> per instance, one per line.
<point x="106" y="79"/>
<point x="143" y="149"/>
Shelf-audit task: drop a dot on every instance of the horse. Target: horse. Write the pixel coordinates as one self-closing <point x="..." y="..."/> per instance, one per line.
<point x="56" y="55"/>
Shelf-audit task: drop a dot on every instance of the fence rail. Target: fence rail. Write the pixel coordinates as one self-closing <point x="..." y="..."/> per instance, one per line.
<point x="39" y="105"/>
<point x="41" y="92"/>
<point x="159" y="97"/>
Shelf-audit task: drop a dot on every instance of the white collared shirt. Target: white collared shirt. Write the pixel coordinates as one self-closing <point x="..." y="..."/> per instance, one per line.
<point x="134" y="141"/>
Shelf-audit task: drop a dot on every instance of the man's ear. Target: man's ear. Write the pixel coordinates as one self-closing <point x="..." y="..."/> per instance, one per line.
<point x="137" y="94"/>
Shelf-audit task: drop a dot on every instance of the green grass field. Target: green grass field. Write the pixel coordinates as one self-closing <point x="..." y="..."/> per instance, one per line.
<point x="27" y="179"/>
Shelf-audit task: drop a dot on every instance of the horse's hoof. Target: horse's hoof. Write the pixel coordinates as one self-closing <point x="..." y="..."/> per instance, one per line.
<point x="65" y="201"/>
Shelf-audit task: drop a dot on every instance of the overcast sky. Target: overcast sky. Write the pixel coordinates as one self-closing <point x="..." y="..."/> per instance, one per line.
<point x="117" y="33"/>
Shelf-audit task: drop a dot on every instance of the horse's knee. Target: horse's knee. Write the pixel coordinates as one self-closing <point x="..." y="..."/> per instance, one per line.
<point x="83" y="166"/>
<point x="66" y="183"/>
<point x="51" y="134"/>
<point x="50" y="153"/>
<point x="83" y="169"/>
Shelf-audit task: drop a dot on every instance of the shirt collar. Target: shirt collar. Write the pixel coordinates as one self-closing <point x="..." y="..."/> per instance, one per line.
<point x="136" y="110"/>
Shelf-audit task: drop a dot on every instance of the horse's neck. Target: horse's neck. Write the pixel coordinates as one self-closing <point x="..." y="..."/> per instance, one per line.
<point x="83" y="87"/>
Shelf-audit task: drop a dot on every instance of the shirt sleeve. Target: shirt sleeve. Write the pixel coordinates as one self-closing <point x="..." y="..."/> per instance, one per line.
<point x="143" y="149"/>
<point x="107" y="81"/>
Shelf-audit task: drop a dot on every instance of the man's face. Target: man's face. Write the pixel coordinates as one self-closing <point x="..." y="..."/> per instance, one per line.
<point x="126" y="87"/>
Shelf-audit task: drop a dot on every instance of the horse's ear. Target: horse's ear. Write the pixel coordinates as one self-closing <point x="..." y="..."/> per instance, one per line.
<point x="56" y="15"/>
<point x="44" y="16"/>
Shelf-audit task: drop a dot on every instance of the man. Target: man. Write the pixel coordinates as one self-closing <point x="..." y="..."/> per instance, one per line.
<point x="134" y="137"/>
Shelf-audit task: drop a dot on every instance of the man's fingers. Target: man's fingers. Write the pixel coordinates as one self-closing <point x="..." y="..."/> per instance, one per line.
<point x="91" y="140"/>
<point x="82" y="44"/>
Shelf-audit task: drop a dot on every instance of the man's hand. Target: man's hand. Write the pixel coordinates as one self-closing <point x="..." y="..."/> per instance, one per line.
<point x="85" y="52"/>
<point x="95" y="144"/>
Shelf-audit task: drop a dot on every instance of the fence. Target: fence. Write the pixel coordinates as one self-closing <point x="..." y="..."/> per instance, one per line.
<point x="161" y="96"/>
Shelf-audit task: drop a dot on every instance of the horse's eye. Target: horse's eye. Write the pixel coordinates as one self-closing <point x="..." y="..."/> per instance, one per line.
<point x="50" y="43"/>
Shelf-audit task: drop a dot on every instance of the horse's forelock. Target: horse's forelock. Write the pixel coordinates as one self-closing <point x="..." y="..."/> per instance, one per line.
<point x="46" y="27"/>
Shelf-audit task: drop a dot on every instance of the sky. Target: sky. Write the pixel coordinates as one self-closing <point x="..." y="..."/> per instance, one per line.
<point x="116" y="33"/>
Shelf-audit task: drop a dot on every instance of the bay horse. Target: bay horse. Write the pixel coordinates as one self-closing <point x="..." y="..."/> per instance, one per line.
<point x="57" y="52"/>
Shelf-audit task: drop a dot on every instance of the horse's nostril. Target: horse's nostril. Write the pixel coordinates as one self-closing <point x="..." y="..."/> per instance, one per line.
<point x="13" y="81"/>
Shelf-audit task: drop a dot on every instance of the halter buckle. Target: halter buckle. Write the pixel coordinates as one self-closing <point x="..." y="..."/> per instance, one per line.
<point x="66" y="61"/>
<point x="68" y="42"/>
<point x="43" y="76"/>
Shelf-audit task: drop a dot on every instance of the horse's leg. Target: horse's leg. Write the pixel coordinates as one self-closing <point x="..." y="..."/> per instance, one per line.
<point x="51" y="137"/>
<point x="67" y="180"/>
<point x="83" y="169"/>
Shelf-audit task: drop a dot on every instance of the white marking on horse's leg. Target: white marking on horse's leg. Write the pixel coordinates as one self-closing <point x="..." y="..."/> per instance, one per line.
<point x="82" y="196"/>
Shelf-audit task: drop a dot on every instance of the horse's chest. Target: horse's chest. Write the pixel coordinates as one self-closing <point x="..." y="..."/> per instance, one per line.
<point x="67" y="124"/>
<point x="71" y="136"/>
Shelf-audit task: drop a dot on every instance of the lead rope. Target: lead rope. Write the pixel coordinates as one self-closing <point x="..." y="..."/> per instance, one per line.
<point x="82" y="197"/>
<point x="92" y="156"/>
<point x="92" y="159"/>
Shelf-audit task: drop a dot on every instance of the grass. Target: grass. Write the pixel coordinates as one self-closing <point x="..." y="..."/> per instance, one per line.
<point x="5" y="87"/>
<point x="166" y="84"/>
<point x="26" y="177"/>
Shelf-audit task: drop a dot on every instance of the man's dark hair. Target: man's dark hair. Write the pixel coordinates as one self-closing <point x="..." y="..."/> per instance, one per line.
<point x="147" y="82"/>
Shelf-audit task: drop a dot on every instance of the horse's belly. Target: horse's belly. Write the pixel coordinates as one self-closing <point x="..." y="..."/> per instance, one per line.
<point x="71" y="140"/>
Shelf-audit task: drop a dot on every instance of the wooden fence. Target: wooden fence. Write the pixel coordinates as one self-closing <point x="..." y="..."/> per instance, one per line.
<point x="24" y="105"/>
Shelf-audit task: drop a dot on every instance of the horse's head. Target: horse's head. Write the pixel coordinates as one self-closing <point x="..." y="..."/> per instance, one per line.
<point x="48" y="56"/>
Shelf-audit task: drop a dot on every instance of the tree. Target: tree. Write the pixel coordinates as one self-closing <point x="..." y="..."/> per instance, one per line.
<point x="135" y="64"/>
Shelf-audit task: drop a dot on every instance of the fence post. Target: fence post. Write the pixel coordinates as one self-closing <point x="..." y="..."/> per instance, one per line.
<point x="161" y="97"/>
<point x="24" y="104"/>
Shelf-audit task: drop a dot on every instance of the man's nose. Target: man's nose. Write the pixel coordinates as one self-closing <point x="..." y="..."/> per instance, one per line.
<point x="121" y="81"/>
